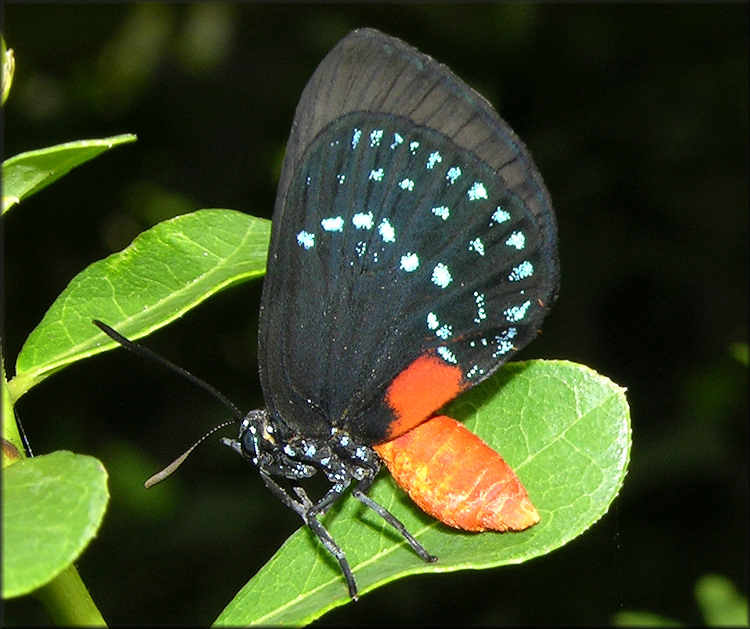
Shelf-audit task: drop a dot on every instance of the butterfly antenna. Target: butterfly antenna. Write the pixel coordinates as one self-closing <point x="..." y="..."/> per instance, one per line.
<point x="167" y="471"/>
<point x="147" y="353"/>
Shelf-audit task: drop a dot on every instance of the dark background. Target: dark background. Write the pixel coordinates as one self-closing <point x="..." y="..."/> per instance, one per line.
<point x="637" y="118"/>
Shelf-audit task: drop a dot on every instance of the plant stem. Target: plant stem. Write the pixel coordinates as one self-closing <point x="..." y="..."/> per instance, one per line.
<point x="68" y="601"/>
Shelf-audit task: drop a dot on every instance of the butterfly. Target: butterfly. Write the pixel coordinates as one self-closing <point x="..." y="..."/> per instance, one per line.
<point x="413" y="252"/>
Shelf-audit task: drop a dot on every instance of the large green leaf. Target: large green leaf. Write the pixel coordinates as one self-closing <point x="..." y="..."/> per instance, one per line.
<point x="562" y="427"/>
<point x="52" y="507"/>
<point x="167" y="270"/>
<point x="28" y="173"/>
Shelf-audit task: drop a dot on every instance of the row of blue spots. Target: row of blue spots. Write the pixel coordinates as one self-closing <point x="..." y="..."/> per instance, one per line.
<point x="361" y="220"/>
<point x="477" y="191"/>
<point x="410" y="261"/>
<point x="376" y="135"/>
<point x="441" y="275"/>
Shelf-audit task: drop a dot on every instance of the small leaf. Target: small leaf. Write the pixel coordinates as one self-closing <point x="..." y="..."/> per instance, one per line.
<point x="28" y="173"/>
<point x="9" y="68"/>
<point x="166" y="271"/>
<point x="53" y="506"/>
<point x="562" y="427"/>
<point x="643" y="619"/>
<point x="720" y="602"/>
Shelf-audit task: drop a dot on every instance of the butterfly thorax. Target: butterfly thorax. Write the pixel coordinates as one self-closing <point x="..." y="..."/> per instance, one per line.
<point x="278" y="452"/>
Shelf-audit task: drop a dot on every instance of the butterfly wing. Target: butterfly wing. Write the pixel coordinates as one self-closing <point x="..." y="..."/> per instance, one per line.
<point x="413" y="248"/>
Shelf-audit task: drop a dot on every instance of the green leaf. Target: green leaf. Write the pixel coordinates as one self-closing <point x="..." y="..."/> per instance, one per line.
<point x="643" y="619"/>
<point x="562" y="427"/>
<point x="166" y="271"/>
<point x="9" y="68"/>
<point x="28" y="173"/>
<point x="720" y="602"/>
<point x="52" y="508"/>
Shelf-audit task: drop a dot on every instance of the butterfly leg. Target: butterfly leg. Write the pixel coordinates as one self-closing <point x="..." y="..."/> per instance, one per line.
<point x="360" y="494"/>
<point x="305" y="508"/>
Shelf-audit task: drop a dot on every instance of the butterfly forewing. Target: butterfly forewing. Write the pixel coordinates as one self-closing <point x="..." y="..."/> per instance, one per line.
<point x="393" y="240"/>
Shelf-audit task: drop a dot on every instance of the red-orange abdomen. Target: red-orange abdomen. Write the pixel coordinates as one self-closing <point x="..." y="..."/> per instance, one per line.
<point x="457" y="478"/>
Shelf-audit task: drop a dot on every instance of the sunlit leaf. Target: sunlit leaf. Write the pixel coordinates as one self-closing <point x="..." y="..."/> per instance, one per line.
<point x="52" y="508"/>
<point x="28" y="173"/>
<point x="562" y="427"/>
<point x="166" y="271"/>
